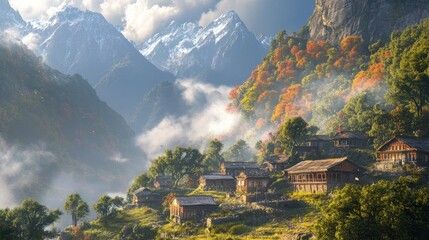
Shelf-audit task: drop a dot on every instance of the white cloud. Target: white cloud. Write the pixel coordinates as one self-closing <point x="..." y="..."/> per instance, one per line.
<point x="143" y="18"/>
<point x="31" y="40"/>
<point x="117" y="157"/>
<point x="207" y="118"/>
<point x="33" y="9"/>
<point x="20" y="168"/>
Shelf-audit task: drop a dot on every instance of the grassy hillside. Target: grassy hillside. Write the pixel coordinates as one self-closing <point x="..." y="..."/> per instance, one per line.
<point x="253" y="223"/>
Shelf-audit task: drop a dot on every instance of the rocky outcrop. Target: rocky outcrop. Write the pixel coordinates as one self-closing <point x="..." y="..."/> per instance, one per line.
<point x="372" y="19"/>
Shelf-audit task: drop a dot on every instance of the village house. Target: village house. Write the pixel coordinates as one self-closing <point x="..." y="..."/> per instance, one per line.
<point x="217" y="182"/>
<point x="323" y="175"/>
<point x="318" y="141"/>
<point x="348" y="139"/>
<point x="234" y="168"/>
<point x="187" y="208"/>
<point x="401" y="150"/>
<point x="304" y="152"/>
<point x="276" y="163"/>
<point x="164" y="182"/>
<point x="144" y="195"/>
<point x="251" y="181"/>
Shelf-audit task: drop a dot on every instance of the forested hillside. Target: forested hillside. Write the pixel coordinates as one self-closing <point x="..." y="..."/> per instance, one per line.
<point x="62" y="114"/>
<point x="342" y="86"/>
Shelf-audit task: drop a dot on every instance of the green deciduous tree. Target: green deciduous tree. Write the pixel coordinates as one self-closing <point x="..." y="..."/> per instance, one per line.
<point x="107" y="205"/>
<point x="408" y="67"/>
<point x="382" y="126"/>
<point x="178" y="163"/>
<point x="29" y="221"/>
<point x="410" y="82"/>
<point x="385" y="210"/>
<point x="7" y="231"/>
<point x="76" y="207"/>
<point x="291" y="133"/>
<point x="239" y="152"/>
<point x="213" y="156"/>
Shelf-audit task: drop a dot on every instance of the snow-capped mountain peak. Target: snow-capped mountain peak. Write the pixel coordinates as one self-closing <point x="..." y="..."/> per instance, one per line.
<point x="188" y="49"/>
<point x="80" y="41"/>
<point x="75" y="29"/>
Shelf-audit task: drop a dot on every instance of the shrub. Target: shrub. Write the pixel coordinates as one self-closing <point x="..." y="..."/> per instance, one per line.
<point x="239" y="229"/>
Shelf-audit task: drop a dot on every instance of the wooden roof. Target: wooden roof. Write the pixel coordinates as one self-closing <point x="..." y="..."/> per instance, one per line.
<point x="144" y="192"/>
<point x="255" y="173"/>
<point x="241" y="165"/>
<point x="277" y="158"/>
<point x="318" y="138"/>
<point x="195" y="200"/>
<point x="350" y="134"/>
<point x="419" y="144"/>
<point x="317" y="165"/>
<point x="218" y="177"/>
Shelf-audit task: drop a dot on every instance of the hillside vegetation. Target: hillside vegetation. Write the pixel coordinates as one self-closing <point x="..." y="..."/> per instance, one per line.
<point x="342" y="86"/>
<point x="62" y="113"/>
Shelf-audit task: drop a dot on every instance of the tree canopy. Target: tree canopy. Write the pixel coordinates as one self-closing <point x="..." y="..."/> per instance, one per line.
<point x="76" y="207"/>
<point x="29" y="221"/>
<point x="213" y="156"/>
<point x="408" y="67"/>
<point x="239" y="152"/>
<point x="107" y="205"/>
<point x="385" y="210"/>
<point x="178" y="164"/>
<point x="291" y="133"/>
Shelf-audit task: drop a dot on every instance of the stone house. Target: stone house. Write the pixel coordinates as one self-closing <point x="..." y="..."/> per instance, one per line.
<point x="402" y="150"/>
<point x="323" y="175"/>
<point x="191" y="208"/>
<point x="217" y="182"/>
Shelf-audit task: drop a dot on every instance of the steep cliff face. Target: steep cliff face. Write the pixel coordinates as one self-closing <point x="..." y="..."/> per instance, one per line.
<point x="372" y="19"/>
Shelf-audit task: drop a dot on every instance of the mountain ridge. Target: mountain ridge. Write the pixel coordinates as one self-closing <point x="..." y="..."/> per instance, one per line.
<point x="188" y="50"/>
<point x="76" y="41"/>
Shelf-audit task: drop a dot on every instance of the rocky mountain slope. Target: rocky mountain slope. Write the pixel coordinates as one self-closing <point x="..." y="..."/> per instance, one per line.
<point x="223" y="52"/>
<point x="83" y="42"/>
<point x="334" y="20"/>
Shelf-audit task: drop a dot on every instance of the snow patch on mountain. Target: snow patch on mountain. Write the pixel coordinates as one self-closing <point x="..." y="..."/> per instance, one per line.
<point x="188" y="49"/>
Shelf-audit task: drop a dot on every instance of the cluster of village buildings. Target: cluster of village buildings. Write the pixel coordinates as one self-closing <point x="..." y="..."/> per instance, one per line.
<point x="314" y="176"/>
